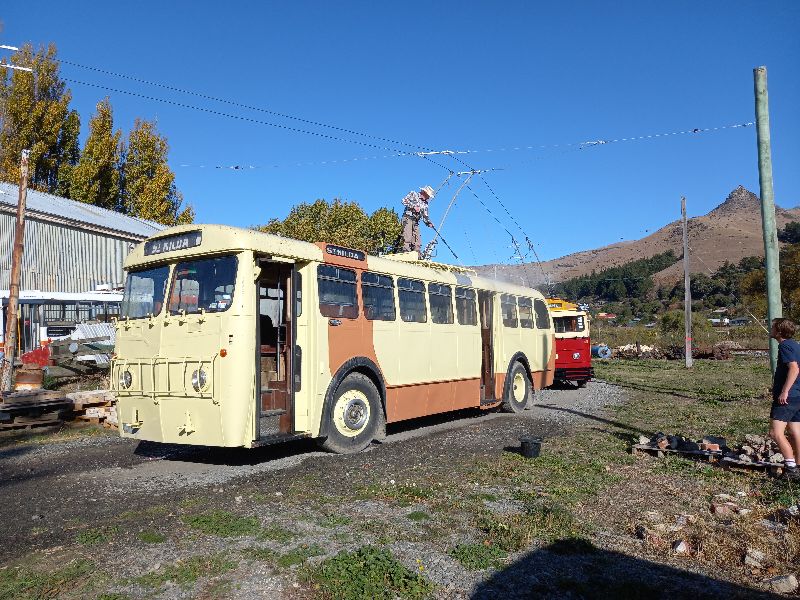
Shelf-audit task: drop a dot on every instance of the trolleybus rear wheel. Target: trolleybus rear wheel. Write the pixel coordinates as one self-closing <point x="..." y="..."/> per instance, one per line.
<point x="354" y="417"/>
<point x="518" y="389"/>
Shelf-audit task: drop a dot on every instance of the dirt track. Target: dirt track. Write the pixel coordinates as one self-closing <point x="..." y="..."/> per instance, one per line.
<point x="96" y="498"/>
<point x="52" y="485"/>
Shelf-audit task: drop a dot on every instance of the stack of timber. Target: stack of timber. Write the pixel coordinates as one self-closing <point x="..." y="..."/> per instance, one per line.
<point x="47" y="408"/>
<point x="33" y="408"/>
<point x="98" y="406"/>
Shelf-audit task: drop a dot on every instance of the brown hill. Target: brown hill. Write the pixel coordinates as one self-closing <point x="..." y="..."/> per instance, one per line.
<point x="730" y="232"/>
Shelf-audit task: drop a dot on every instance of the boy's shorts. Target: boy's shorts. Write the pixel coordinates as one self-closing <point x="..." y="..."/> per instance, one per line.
<point x="788" y="413"/>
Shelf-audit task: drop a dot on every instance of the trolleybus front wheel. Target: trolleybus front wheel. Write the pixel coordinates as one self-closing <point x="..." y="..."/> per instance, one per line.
<point x="518" y="389"/>
<point x="355" y="416"/>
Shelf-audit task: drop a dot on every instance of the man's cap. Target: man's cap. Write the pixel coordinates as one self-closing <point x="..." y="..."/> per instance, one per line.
<point x="428" y="190"/>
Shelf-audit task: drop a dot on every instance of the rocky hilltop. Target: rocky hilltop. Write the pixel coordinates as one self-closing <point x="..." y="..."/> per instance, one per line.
<point x="730" y="232"/>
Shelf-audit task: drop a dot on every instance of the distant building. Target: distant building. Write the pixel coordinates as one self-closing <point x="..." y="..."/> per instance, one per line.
<point x="606" y="316"/>
<point x="69" y="246"/>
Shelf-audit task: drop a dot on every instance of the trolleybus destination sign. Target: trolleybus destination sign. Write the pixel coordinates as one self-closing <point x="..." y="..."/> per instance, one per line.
<point x="344" y="252"/>
<point x="181" y="241"/>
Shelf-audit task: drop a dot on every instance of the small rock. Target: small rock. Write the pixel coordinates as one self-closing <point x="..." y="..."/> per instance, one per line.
<point x="724" y="509"/>
<point x="745" y="458"/>
<point x="238" y="499"/>
<point x="743" y="512"/>
<point x="773" y="526"/>
<point x="784" y="584"/>
<point x="724" y="497"/>
<point x="754" y="440"/>
<point x="741" y="494"/>
<point x="279" y="494"/>
<point x="754" y="558"/>
<point x="680" y="547"/>
<point x="776" y="458"/>
<point x="643" y="439"/>
<point x="37" y="517"/>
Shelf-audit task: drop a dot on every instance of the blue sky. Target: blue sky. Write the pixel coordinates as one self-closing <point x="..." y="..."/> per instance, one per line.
<point x="447" y="75"/>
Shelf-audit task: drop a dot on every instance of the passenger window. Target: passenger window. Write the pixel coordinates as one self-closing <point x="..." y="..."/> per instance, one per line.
<point x="526" y="313"/>
<point x="337" y="292"/>
<point x="377" y="294"/>
<point x="542" y="314"/>
<point x="441" y="299"/>
<point x="508" y="308"/>
<point x="411" y="294"/>
<point x="465" y="306"/>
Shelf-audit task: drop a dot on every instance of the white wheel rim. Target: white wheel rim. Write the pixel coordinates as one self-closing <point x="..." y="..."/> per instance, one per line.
<point x="351" y="413"/>
<point x="518" y="387"/>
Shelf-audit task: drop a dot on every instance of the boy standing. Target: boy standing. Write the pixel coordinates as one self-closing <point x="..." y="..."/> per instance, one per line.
<point x="786" y="393"/>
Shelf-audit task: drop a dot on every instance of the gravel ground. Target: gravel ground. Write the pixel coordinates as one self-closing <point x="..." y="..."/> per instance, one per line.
<point x="53" y="491"/>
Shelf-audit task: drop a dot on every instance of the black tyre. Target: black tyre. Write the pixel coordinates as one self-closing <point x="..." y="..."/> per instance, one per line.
<point x="354" y="416"/>
<point x="518" y="389"/>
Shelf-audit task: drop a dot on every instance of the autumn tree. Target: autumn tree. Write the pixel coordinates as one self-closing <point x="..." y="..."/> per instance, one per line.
<point x="148" y="184"/>
<point x="34" y="114"/>
<point x="754" y="285"/>
<point x="95" y="179"/>
<point x="340" y="222"/>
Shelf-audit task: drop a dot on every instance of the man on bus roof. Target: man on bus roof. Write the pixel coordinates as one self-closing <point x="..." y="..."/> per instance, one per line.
<point x="416" y="208"/>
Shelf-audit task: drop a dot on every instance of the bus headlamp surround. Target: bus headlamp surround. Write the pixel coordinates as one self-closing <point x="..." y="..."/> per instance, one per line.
<point x="125" y="379"/>
<point x="199" y="380"/>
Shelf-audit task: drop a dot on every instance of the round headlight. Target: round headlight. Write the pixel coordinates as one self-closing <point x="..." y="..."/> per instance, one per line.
<point x="199" y="380"/>
<point x="125" y="379"/>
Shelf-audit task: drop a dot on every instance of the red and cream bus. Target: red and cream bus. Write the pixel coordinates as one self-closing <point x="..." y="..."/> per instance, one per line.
<point x="573" y="344"/>
<point x="233" y="337"/>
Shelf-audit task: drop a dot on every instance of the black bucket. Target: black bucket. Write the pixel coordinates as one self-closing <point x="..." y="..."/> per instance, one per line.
<point x="531" y="446"/>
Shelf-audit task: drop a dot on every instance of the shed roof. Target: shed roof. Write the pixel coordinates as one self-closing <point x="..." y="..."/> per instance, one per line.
<point x="55" y="209"/>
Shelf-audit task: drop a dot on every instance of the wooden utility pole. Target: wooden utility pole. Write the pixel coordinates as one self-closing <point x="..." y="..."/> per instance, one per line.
<point x="687" y="289"/>
<point x="10" y="338"/>
<point x="771" y="254"/>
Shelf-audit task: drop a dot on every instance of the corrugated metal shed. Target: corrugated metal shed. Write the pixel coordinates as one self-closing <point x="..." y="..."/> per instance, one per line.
<point x="56" y="209"/>
<point x="69" y="246"/>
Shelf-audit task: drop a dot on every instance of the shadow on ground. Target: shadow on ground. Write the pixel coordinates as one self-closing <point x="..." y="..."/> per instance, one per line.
<point x="574" y="568"/>
<point x="254" y="456"/>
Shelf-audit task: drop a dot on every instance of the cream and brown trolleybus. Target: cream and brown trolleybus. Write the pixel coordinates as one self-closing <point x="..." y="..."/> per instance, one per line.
<point x="233" y="337"/>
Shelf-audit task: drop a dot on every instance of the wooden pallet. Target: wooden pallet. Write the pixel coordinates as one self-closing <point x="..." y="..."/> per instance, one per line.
<point x="741" y="465"/>
<point x="707" y="455"/>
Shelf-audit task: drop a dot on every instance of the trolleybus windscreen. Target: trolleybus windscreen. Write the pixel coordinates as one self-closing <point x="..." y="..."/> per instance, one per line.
<point x="144" y="292"/>
<point x="205" y="284"/>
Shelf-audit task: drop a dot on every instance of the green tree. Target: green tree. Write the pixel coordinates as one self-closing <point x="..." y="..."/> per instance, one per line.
<point x="340" y="222"/>
<point x="148" y="184"/>
<point x="790" y="234"/>
<point x="34" y="114"/>
<point x="95" y="179"/>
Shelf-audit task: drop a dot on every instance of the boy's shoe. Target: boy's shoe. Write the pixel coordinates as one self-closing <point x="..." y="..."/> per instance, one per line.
<point x="792" y="473"/>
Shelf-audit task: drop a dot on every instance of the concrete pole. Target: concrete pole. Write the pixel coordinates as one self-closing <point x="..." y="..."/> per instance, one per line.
<point x="687" y="289"/>
<point x="771" y="254"/>
<point x="10" y="339"/>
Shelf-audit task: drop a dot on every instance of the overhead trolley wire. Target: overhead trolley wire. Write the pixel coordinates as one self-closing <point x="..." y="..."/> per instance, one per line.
<point x="234" y="116"/>
<point x="268" y="111"/>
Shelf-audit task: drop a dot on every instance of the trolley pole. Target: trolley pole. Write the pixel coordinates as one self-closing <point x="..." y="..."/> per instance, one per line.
<point x="10" y="339"/>
<point x="774" y="309"/>
<point x="687" y="289"/>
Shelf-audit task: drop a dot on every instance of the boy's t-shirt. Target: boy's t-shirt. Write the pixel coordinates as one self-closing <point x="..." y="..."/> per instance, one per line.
<point x="788" y="351"/>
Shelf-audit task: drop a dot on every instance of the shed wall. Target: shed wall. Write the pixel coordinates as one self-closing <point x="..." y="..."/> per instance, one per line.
<point x="58" y="258"/>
